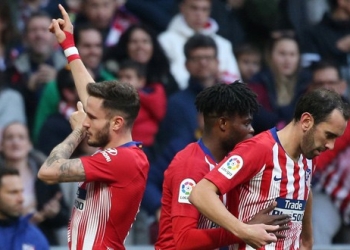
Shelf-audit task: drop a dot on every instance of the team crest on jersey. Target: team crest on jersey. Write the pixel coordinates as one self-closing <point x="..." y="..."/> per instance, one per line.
<point x="230" y="167"/>
<point x="307" y="174"/>
<point x="185" y="190"/>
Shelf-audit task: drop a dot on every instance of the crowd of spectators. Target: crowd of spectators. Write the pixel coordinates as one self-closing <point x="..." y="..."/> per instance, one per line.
<point x="169" y="50"/>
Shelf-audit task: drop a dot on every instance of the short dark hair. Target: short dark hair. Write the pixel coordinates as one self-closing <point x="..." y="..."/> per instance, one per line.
<point x="117" y="96"/>
<point x="36" y="14"/>
<point x="227" y="99"/>
<point x="139" y="68"/>
<point x="4" y="171"/>
<point x="78" y="29"/>
<point x="246" y="48"/>
<point x="324" y="64"/>
<point x="199" y="41"/>
<point x="64" y="80"/>
<point x="320" y="103"/>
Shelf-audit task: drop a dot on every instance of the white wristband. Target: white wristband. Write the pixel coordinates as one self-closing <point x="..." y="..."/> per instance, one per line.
<point x="71" y="51"/>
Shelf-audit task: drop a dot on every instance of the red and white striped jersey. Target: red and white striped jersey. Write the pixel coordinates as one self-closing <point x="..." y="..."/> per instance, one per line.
<point x="259" y="171"/>
<point x="335" y="181"/>
<point x="108" y="201"/>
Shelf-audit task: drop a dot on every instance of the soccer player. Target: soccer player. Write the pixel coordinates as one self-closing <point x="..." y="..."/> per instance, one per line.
<point x="111" y="181"/>
<point x="227" y="110"/>
<point x="274" y="166"/>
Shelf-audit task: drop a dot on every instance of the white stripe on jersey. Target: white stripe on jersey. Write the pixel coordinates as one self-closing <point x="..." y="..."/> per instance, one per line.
<point x="91" y="222"/>
<point x="282" y="183"/>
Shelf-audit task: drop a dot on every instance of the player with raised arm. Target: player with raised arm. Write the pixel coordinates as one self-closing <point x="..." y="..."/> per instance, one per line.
<point x="111" y="181"/>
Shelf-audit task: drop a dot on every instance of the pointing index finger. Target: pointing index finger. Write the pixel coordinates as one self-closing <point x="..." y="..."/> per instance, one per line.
<point x="64" y="14"/>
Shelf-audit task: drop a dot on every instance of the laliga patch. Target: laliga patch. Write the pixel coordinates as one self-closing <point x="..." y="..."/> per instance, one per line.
<point x="230" y="167"/>
<point x="185" y="190"/>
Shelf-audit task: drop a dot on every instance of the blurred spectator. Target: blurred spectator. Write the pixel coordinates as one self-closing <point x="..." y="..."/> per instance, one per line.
<point x="45" y="201"/>
<point x="37" y="65"/>
<point x="11" y="105"/>
<point x="16" y="231"/>
<point x="89" y="44"/>
<point x="74" y="8"/>
<point x="325" y="74"/>
<point x="194" y="18"/>
<point x="261" y="18"/>
<point x="155" y="13"/>
<point x="331" y="189"/>
<point x="334" y="29"/>
<point x="230" y="16"/>
<point x="180" y="124"/>
<point x="9" y="37"/>
<point x="292" y="18"/>
<point x="26" y="8"/>
<point x="139" y="43"/>
<point x="57" y="127"/>
<point x="110" y="18"/>
<point x="280" y="85"/>
<point x="153" y="104"/>
<point x="249" y="60"/>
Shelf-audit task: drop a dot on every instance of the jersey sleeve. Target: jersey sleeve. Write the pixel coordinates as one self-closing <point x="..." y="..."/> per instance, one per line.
<point x="185" y="230"/>
<point x="119" y="166"/>
<point x="244" y="162"/>
<point x="182" y="183"/>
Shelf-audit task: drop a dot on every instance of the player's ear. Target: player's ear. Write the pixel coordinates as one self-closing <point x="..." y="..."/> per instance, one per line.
<point x="117" y="122"/>
<point x="223" y="123"/>
<point x="306" y="121"/>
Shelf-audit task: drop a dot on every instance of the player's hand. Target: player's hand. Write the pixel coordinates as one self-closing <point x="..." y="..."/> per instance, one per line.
<point x="258" y="235"/>
<point x="59" y="25"/>
<point x="77" y="118"/>
<point x="264" y="217"/>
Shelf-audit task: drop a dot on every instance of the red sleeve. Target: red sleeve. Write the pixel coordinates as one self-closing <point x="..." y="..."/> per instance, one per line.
<point x="328" y="156"/>
<point x="155" y="101"/>
<point x="188" y="236"/>
<point x="243" y="163"/>
<point x="120" y="165"/>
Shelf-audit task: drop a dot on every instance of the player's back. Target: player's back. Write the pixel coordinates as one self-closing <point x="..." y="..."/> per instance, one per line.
<point x="186" y="169"/>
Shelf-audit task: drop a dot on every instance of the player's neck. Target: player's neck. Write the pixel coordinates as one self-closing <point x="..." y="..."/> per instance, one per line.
<point x="290" y="141"/>
<point x="119" y="140"/>
<point x="215" y="147"/>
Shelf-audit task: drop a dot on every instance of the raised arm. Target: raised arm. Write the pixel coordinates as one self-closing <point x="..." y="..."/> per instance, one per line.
<point x="58" y="167"/>
<point x="205" y="197"/>
<point x="63" y="30"/>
